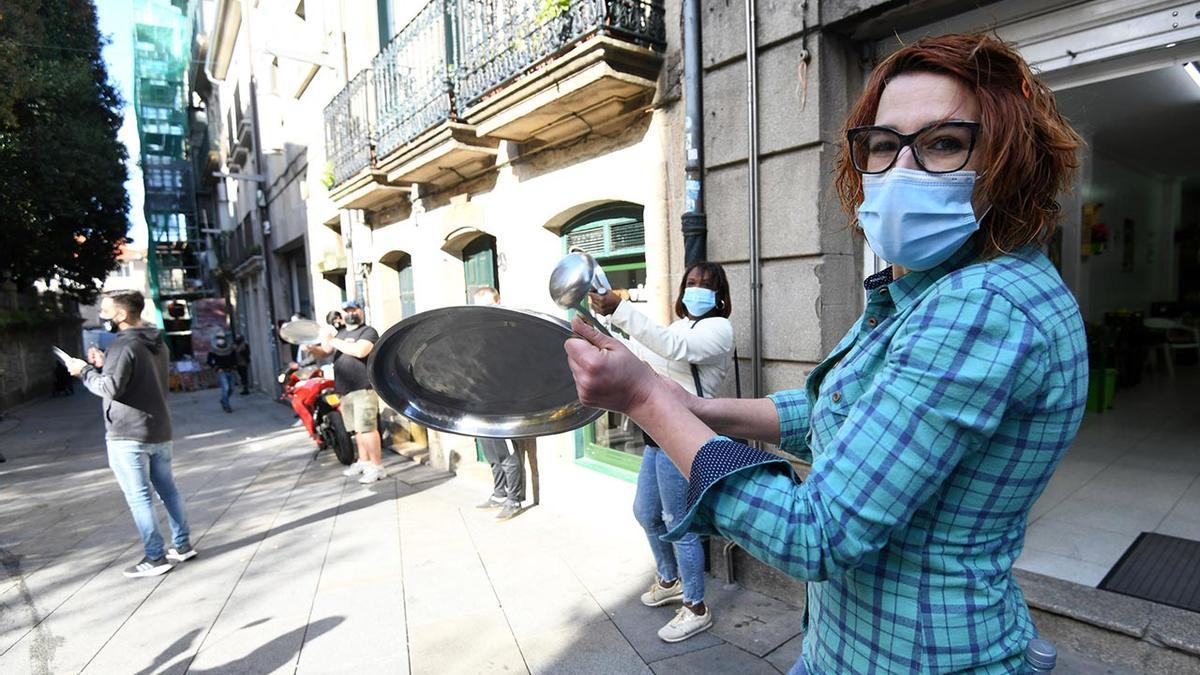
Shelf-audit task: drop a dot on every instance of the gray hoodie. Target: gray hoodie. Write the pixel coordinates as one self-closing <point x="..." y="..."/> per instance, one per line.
<point x="133" y="385"/>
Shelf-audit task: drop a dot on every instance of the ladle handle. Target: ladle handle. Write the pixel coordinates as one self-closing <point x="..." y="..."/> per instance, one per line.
<point x="588" y="317"/>
<point x="599" y="279"/>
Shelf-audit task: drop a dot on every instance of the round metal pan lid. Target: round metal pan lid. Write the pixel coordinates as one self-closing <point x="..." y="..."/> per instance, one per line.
<point x="484" y="371"/>
<point x="301" y="332"/>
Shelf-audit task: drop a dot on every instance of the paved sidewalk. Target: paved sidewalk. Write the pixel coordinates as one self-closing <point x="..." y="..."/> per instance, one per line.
<point x="301" y="570"/>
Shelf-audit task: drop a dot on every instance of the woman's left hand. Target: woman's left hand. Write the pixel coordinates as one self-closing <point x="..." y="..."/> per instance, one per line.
<point x="607" y="374"/>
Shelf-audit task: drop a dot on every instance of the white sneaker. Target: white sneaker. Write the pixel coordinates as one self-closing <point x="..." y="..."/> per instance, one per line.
<point x="659" y="594"/>
<point x="373" y="473"/>
<point x="354" y="469"/>
<point x="685" y="624"/>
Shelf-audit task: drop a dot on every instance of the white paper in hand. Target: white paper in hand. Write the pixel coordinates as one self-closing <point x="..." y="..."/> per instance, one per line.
<point x="62" y="356"/>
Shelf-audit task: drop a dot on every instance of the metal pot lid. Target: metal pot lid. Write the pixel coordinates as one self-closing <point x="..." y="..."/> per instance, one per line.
<point x="301" y="332"/>
<point x="484" y="371"/>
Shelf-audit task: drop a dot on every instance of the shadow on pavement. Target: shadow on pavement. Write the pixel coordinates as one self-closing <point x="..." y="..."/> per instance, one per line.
<point x="374" y="497"/>
<point x="269" y="657"/>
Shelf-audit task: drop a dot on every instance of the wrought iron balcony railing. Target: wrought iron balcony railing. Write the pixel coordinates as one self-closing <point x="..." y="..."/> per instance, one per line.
<point x="350" y="127"/>
<point x="452" y="54"/>
<point x="413" y="86"/>
<point x="505" y="39"/>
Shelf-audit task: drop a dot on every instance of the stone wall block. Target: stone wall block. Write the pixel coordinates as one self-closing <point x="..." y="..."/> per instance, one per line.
<point x="790" y="194"/>
<point x="788" y="112"/>
<point x="726" y="201"/>
<point x="725" y="139"/>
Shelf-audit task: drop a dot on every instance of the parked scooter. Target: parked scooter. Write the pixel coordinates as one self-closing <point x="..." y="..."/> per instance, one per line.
<point x="318" y="406"/>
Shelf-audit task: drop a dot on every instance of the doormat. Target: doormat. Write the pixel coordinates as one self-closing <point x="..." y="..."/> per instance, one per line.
<point x="1160" y="569"/>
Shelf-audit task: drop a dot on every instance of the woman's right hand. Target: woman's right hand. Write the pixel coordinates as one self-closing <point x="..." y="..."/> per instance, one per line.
<point x="608" y="375"/>
<point x="606" y="304"/>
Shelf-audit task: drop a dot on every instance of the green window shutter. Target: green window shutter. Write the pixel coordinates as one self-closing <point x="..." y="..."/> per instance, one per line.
<point x="479" y="264"/>
<point x="609" y="231"/>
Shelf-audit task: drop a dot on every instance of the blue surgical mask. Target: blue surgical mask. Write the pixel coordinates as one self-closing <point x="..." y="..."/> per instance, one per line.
<point x="699" y="301"/>
<point x="917" y="219"/>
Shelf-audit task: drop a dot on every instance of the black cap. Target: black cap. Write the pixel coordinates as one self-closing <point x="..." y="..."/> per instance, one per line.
<point x="351" y="304"/>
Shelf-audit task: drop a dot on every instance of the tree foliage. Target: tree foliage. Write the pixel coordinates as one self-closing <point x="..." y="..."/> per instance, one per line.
<point x="63" y="205"/>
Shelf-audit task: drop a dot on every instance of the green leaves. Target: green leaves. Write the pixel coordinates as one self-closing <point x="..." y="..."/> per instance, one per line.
<point x="63" y="206"/>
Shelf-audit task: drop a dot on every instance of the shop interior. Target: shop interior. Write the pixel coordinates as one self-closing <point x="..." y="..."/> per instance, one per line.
<point x="1135" y="221"/>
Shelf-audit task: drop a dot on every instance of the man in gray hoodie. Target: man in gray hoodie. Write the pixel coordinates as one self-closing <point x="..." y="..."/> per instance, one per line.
<point x="131" y="377"/>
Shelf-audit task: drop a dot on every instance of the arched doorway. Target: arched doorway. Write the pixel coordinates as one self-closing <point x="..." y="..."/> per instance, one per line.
<point x="614" y="234"/>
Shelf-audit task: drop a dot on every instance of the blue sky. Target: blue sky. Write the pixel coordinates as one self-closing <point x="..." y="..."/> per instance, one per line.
<point x="116" y="24"/>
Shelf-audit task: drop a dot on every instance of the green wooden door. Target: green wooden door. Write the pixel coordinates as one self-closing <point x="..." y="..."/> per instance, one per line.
<point x="479" y="265"/>
<point x="614" y="234"/>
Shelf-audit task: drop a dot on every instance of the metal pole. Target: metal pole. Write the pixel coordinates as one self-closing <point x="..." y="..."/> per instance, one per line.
<point x="695" y="221"/>
<point x="753" y="160"/>
<point x="261" y="210"/>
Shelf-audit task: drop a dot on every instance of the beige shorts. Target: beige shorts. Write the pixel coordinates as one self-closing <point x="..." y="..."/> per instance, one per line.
<point x="360" y="411"/>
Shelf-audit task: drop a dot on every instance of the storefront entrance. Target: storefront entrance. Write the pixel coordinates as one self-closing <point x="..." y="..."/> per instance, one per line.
<point x="1125" y="75"/>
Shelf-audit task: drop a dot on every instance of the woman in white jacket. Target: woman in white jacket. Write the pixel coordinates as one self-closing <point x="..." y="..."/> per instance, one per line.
<point x="697" y="352"/>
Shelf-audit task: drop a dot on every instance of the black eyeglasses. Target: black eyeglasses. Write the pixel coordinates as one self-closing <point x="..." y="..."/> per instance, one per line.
<point x="941" y="147"/>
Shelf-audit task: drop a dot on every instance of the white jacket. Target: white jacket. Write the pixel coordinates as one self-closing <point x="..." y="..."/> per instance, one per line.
<point x="672" y="349"/>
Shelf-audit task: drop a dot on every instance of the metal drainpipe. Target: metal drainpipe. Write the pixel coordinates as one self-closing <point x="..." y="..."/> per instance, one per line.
<point x="756" y="366"/>
<point x="695" y="222"/>
<point x="260" y="166"/>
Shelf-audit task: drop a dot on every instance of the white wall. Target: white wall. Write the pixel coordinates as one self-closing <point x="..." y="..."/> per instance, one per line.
<point x="1153" y="205"/>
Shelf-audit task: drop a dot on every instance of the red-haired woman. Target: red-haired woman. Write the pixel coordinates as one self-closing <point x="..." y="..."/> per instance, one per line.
<point x="937" y="421"/>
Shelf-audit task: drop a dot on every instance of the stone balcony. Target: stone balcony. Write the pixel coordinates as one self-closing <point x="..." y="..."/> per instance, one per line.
<point x="534" y="76"/>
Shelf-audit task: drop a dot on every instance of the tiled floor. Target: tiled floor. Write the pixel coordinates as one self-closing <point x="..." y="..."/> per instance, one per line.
<point x="1132" y="469"/>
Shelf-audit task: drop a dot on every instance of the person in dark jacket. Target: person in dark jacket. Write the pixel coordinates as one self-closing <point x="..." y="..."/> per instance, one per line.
<point x="242" y="349"/>
<point x="131" y="377"/>
<point x="222" y="359"/>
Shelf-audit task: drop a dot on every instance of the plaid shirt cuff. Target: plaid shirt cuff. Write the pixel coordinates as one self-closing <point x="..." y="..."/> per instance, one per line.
<point x="716" y="460"/>
<point x="792" y="407"/>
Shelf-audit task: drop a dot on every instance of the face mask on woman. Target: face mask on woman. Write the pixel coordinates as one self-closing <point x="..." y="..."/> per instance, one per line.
<point x="699" y="301"/>
<point x="917" y="219"/>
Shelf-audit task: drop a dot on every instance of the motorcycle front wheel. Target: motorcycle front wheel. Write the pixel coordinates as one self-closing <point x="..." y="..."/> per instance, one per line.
<point x="343" y="447"/>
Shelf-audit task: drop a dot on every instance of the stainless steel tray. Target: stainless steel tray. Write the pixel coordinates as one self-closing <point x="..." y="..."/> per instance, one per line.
<point x="301" y="332"/>
<point x="485" y="371"/>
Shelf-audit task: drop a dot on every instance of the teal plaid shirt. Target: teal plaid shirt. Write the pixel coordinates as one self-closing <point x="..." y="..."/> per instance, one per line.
<point x="932" y="428"/>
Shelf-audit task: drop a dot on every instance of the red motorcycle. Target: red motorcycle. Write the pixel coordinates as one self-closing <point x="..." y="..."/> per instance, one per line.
<point x="312" y="396"/>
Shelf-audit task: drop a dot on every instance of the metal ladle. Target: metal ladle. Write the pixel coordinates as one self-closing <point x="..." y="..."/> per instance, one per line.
<point x="573" y="277"/>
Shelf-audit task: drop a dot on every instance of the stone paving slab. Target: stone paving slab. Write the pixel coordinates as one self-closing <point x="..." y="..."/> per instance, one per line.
<point x="590" y="649"/>
<point x="756" y="623"/>
<point x="787" y="654"/>
<point x="723" y="658"/>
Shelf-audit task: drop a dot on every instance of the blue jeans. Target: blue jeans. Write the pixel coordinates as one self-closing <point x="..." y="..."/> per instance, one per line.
<point x="138" y="466"/>
<point x="661" y="500"/>
<point x="227" y="381"/>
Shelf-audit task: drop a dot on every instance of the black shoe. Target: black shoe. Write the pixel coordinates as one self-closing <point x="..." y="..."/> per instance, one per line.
<point x="510" y="509"/>
<point x="148" y="568"/>
<point x="245" y="392"/>
<point x="185" y="552"/>
<point x="491" y="503"/>
<point x="228" y="409"/>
